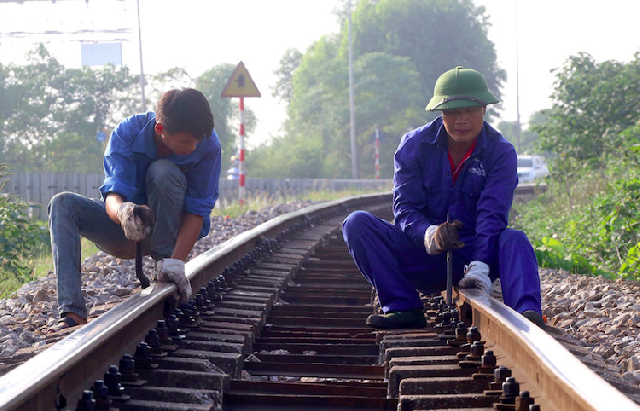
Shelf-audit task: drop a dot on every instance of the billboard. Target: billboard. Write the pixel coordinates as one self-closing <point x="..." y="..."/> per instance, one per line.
<point x="99" y="54"/>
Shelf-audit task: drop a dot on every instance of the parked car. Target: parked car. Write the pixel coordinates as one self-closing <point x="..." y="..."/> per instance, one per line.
<point x="531" y="168"/>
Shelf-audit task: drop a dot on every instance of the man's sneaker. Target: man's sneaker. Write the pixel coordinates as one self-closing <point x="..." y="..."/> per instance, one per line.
<point x="398" y="319"/>
<point x="535" y="318"/>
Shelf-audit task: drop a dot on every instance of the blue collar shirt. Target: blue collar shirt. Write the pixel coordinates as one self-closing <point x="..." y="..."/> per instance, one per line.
<point x="132" y="149"/>
<point x="481" y="198"/>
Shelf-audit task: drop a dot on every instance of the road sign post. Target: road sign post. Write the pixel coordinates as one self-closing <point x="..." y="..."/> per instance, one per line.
<point x="241" y="85"/>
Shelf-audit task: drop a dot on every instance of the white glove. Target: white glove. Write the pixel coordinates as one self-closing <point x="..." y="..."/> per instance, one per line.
<point x="429" y="242"/>
<point x="136" y="221"/>
<point x="171" y="270"/>
<point x="476" y="275"/>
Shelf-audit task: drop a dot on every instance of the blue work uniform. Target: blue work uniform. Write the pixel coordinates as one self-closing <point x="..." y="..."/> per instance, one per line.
<point x="170" y="186"/>
<point x="393" y="256"/>
<point x="132" y="149"/>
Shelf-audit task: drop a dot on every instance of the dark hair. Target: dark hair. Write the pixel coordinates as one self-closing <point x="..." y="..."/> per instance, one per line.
<point x="185" y="111"/>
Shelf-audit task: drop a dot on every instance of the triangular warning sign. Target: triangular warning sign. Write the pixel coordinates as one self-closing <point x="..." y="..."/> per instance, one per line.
<point x="240" y="84"/>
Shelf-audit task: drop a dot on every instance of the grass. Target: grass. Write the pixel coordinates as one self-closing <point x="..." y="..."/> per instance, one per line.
<point x="42" y="263"/>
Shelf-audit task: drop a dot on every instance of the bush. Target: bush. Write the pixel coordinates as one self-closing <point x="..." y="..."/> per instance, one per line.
<point x="20" y="238"/>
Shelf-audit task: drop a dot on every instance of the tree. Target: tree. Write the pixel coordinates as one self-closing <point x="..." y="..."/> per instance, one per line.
<point x="42" y="101"/>
<point x="398" y="55"/>
<point x="592" y="104"/>
<point x="289" y="62"/>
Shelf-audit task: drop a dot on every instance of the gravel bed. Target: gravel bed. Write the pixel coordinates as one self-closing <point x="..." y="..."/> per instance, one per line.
<point x="596" y="318"/>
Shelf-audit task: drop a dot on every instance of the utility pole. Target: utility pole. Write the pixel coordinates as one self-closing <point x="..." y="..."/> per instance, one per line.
<point x="144" y="100"/>
<point x="354" y="148"/>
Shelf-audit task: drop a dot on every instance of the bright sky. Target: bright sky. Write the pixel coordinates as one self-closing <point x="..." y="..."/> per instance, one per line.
<point x="199" y="34"/>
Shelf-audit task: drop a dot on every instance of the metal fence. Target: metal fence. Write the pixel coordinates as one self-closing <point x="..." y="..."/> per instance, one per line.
<point x="38" y="188"/>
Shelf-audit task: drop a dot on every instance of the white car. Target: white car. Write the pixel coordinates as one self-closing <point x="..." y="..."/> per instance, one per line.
<point x="531" y="168"/>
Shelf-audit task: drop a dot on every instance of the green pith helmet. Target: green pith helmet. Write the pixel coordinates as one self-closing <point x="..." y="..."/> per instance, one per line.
<point x="460" y="88"/>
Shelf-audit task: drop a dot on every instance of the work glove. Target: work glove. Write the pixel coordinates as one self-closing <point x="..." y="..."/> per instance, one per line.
<point x="136" y="221"/>
<point x="171" y="270"/>
<point x="443" y="237"/>
<point x="476" y="275"/>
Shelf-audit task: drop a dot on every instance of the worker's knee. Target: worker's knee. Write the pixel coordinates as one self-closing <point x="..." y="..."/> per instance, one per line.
<point x="61" y="201"/>
<point x="510" y="237"/>
<point x="164" y="172"/>
<point x="356" y="223"/>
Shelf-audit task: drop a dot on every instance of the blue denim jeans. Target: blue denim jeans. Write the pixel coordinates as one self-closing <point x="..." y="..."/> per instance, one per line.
<point x="72" y="215"/>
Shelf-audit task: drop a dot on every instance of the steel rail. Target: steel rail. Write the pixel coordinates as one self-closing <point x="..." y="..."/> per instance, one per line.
<point x="564" y="381"/>
<point x="78" y="359"/>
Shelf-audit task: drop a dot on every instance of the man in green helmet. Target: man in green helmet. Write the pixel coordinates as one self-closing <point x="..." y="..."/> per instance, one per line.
<point x="456" y="168"/>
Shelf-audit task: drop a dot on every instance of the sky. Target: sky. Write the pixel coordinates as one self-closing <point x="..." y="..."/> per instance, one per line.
<point x="532" y="37"/>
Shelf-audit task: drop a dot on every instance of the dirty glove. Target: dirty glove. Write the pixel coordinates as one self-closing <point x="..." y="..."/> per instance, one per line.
<point x="171" y="270"/>
<point x="443" y="237"/>
<point x="476" y="275"/>
<point x="136" y="221"/>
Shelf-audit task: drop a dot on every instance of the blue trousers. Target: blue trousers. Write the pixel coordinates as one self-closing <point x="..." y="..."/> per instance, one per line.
<point x="72" y="215"/>
<point x="398" y="268"/>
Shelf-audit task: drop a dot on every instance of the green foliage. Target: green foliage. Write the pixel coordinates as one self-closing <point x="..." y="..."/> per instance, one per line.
<point x="20" y="237"/>
<point x="598" y="231"/>
<point x="43" y="102"/>
<point x="49" y="114"/>
<point x="400" y="48"/>
<point x="593" y="104"/>
<point x="289" y="62"/>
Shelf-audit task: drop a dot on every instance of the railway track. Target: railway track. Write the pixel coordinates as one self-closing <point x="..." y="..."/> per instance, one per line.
<point x="279" y="325"/>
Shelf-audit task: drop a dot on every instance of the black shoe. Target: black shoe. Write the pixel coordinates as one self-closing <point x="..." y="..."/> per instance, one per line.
<point x="398" y="319"/>
<point x="535" y="318"/>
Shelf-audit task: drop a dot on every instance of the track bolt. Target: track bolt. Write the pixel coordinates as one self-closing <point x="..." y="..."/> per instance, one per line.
<point x="112" y="379"/>
<point x="86" y="403"/>
<point x="477" y="349"/>
<point x="142" y="359"/>
<point x="175" y="332"/>
<point x="101" y="396"/>
<point x="510" y="390"/>
<point x="500" y="375"/>
<point x="153" y="341"/>
<point x="487" y="363"/>
<point x="205" y="295"/>
<point x="473" y="335"/>
<point x="127" y="366"/>
<point x="524" y="401"/>
<point x="214" y="294"/>
<point x="163" y="332"/>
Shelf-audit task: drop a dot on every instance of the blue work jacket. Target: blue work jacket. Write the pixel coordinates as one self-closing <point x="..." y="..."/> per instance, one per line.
<point x="424" y="192"/>
<point x="132" y="149"/>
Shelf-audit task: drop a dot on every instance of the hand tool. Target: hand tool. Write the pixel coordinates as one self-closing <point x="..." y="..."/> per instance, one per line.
<point x="144" y="281"/>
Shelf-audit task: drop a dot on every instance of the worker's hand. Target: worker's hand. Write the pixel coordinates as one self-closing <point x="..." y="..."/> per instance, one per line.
<point x="443" y="237"/>
<point x="476" y="275"/>
<point x="171" y="270"/>
<point x="136" y="221"/>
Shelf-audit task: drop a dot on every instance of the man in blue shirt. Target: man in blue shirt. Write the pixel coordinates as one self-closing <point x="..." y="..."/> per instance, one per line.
<point x="161" y="183"/>
<point x="456" y="167"/>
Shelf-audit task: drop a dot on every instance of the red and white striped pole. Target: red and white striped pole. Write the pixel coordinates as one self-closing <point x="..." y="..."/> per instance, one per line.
<point x="377" y="153"/>
<point x="241" y="154"/>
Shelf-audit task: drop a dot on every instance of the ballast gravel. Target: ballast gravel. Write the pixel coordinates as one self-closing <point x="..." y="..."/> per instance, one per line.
<point x="597" y="318"/>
